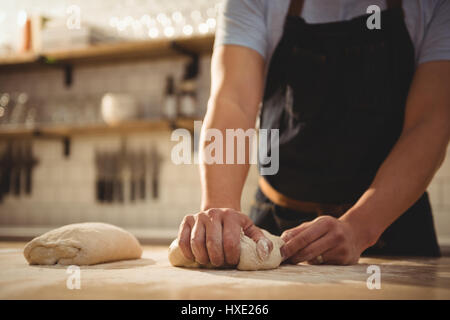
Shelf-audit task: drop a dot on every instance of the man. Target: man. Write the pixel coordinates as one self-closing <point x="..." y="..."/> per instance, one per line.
<point x="363" y="116"/>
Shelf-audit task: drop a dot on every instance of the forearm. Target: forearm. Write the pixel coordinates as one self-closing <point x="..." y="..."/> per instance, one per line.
<point x="402" y="178"/>
<point x="222" y="184"/>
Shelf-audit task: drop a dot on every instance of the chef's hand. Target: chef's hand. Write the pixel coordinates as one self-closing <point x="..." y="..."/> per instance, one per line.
<point x="214" y="236"/>
<point x="334" y="240"/>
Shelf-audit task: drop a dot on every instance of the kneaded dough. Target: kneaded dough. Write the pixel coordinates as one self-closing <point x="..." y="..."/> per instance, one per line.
<point x="83" y="244"/>
<point x="248" y="260"/>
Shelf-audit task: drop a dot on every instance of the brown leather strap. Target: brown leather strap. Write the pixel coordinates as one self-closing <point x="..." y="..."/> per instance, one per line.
<point x="296" y="7"/>
<point x="302" y="206"/>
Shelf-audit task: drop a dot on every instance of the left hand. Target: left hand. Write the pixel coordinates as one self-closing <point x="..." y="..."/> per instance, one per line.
<point x="332" y="239"/>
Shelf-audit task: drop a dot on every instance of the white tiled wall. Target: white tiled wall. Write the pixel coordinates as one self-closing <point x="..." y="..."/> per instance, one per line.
<point x="59" y="180"/>
<point x="64" y="188"/>
<point x="144" y="80"/>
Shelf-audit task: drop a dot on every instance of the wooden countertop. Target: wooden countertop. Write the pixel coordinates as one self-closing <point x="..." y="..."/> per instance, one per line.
<point x="153" y="278"/>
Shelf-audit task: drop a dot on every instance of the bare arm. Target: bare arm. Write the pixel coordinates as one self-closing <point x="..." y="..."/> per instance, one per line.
<point x="236" y="89"/>
<point x="401" y="179"/>
<point x="416" y="157"/>
<point x="213" y="234"/>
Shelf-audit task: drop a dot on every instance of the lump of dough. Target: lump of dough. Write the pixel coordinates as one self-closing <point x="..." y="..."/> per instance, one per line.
<point x="248" y="260"/>
<point x="83" y="244"/>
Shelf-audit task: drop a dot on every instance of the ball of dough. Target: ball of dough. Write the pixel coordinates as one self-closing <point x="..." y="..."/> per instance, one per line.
<point x="83" y="244"/>
<point x="248" y="260"/>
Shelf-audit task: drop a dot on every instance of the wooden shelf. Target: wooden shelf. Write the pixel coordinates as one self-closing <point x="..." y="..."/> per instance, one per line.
<point x="18" y="59"/>
<point x="149" y="125"/>
<point x="106" y="53"/>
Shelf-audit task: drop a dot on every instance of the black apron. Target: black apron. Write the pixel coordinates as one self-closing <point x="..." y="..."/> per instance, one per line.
<point x="337" y="93"/>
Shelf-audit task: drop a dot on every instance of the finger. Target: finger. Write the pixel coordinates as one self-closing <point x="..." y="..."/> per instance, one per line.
<point x="315" y="249"/>
<point x="231" y="241"/>
<point x="184" y="237"/>
<point x="198" y="244"/>
<point x="290" y="233"/>
<point x="263" y="245"/>
<point x="303" y="239"/>
<point x="214" y="246"/>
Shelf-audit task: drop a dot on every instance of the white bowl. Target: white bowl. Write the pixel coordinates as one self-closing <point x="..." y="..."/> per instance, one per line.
<point x="118" y="108"/>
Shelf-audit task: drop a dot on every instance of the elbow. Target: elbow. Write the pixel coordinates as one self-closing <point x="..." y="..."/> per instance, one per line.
<point x="223" y="112"/>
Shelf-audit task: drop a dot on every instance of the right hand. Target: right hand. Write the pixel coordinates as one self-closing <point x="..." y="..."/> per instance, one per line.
<point x="214" y="236"/>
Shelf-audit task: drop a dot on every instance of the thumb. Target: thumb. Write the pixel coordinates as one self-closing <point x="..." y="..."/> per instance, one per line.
<point x="263" y="245"/>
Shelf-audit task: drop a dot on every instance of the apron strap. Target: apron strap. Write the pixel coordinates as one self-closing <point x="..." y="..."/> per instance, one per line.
<point x="394" y="4"/>
<point x="296" y="6"/>
<point x="317" y="208"/>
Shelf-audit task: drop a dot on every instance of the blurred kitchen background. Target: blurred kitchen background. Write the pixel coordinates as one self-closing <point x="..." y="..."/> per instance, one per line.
<point x="87" y="108"/>
<point x="90" y="92"/>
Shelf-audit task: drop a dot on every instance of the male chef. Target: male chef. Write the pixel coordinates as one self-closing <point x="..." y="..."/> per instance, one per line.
<point x="359" y="91"/>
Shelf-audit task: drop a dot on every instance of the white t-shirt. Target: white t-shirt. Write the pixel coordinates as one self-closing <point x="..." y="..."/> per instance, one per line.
<point x="258" y="24"/>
